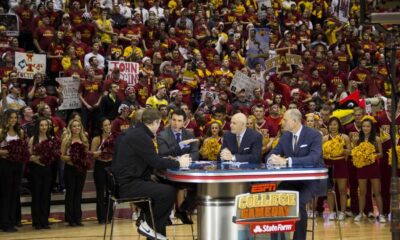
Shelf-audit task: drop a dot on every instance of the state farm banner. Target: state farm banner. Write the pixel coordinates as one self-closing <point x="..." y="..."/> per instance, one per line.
<point x="9" y="25"/>
<point x="28" y="64"/>
<point x="70" y="87"/>
<point x="129" y="71"/>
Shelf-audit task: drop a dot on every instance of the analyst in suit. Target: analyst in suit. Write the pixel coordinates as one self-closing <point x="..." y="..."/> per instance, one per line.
<point x="299" y="146"/>
<point x="176" y="141"/>
<point x="134" y="160"/>
<point x="242" y="144"/>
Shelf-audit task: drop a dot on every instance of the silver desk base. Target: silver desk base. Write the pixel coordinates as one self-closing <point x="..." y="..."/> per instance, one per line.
<point x="215" y="209"/>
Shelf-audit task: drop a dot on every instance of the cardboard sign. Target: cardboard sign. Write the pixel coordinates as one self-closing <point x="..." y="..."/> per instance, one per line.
<point x="129" y="71"/>
<point x="262" y="8"/>
<point x="70" y="93"/>
<point x="258" y="46"/>
<point x="242" y="81"/>
<point x="28" y="64"/>
<point x="283" y="61"/>
<point x="341" y="11"/>
<point x="9" y="25"/>
<point x="267" y="206"/>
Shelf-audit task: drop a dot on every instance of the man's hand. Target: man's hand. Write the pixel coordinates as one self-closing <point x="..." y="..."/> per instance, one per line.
<point x="188" y="141"/>
<point x="226" y="155"/>
<point x="184" y="161"/>
<point x="277" y="160"/>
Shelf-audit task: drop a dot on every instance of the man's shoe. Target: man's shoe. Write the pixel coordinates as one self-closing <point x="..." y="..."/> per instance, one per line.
<point x="10" y="230"/>
<point x="183" y="216"/>
<point x="145" y="230"/>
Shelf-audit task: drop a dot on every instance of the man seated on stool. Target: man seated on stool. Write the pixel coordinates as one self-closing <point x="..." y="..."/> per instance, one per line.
<point x="175" y="141"/>
<point x="242" y="144"/>
<point x="134" y="161"/>
<point x="299" y="146"/>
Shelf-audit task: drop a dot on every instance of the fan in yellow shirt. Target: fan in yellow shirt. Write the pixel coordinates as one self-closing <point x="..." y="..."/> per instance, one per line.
<point x="158" y="99"/>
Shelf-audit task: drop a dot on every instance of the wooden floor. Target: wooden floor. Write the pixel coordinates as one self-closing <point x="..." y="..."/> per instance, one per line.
<point x="125" y="229"/>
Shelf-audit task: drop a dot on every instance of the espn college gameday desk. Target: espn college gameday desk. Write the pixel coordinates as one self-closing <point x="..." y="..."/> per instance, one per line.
<point x="218" y="185"/>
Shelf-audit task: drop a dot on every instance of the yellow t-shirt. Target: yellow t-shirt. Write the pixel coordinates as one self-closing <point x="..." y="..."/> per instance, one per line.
<point x="105" y="37"/>
<point x="128" y="51"/>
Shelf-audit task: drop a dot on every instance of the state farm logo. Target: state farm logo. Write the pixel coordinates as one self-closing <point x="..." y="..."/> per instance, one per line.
<point x="272" y="228"/>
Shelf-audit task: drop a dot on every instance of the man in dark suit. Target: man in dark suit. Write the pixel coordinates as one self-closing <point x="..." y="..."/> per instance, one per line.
<point x="299" y="146"/>
<point x="176" y="141"/>
<point x="242" y="144"/>
<point x="134" y="160"/>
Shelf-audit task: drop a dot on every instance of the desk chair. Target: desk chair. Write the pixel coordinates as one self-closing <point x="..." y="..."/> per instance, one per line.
<point x="113" y="196"/>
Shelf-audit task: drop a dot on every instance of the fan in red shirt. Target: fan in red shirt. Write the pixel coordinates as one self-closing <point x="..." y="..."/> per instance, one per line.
<point x="143" y="90"/>
<point x="116" y="78"/>
<point x="87" y="29"/>
<point x="273" y="120"/>
<point x="76" y="13"/>
<point x="41" y="97"/>
<point x="122" y="122"/>
<point x="336" y="77"/>
<point x="261" y="123"/>
<point x="360" y="74"/>
<point x="25" y="15"/>
<point x="258" y="99"/>
<point x="375" y="83"/>
<point x="43" y="36"/>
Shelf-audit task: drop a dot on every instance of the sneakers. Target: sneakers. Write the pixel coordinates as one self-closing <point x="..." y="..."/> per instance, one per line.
<point x="381" y="218"/>
<point x="135" y="215"/>
<point x="332" y="216"/>
<point x="371" y="215"/>
<point x="145" y="230"/>
<point x="359" y="217"/>
<point x="341" y="216"/>
<point x="349" y="214"/>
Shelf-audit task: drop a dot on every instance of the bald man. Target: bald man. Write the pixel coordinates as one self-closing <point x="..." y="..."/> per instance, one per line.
<point x="241" y="144"/>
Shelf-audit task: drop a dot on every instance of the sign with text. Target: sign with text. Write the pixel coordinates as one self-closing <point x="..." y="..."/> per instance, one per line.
<point x="129" y="71"/>
<point x="242" y="81"/>
<point x="258" y="47"/>
<point x="283" y="61"/>
<point x="273" y="227"/>
<point x="267" y="206"/>
<point x="28" y="64"/>
<point x="70" y="86"/>
<point x="9" y="25"/>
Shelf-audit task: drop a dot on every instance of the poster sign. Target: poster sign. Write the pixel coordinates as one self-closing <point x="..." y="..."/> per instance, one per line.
<point x="283" y="61"/>
<point x="258" y="46"/>
<point x="342" y="10"/>
<point x="242" y="81"/>
<point x="70" y="93"/>
<point x="262" y="8"/>
<point x="9" y="25"/>
<point x="28" y="64"/>
<point x="267" y="206"/>
<point x="129" y="71"/>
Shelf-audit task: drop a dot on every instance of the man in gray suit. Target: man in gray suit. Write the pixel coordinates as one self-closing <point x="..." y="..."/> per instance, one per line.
<point x="176" y="141"/>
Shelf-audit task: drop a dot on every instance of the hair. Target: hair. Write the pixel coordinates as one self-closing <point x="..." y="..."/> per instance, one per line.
<point x="219" y="109"/>
<point x="294" y="114"/>
<point x="333" y="119"/>
<point x="252" y="117"/>
<point x="67" y="136"/>
<point x="36" y="131"/>
<point x="138" y="116"/>
<point x="372" y="135"/>
<point x="179" y="112"/>
<point x="22" y="110"/>
<point x="220" y="132"/>
<point x="5" y="128"/>
<point x="150" y="115"/>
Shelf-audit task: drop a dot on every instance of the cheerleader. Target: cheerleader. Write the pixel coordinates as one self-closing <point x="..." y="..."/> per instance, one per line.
<point x="102" y="150"/>
<point x="74" y="178"/>
<point x="337" y="162"/>
<point x="10" y="172"/>
<point x="214" y="136"/>
<point x="368" y="134"/>
<point x="41" y="176"/>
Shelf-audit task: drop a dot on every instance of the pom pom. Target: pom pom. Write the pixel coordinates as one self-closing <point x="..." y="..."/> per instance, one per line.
<point x="18" y="151"/>
<point x="107" y="147"/>
<point x="81" y="158"/>
<point x="363" y="154"/>
<point x="334" y="148"/>
<point x="390" y="155"/>
<point x="211" y="149"/>
<point x="48" y="150"/>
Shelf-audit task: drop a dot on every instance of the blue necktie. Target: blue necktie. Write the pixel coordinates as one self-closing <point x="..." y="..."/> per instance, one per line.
<point x="178" y="137"/>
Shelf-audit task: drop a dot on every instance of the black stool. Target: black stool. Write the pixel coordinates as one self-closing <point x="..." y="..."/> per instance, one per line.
<point x="113" y="196"/>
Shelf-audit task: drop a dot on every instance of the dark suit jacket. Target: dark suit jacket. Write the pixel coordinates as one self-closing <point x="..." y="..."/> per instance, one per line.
<point x="308" y="152"/>
<point x="135" y="156"/>
<point x="167" y="145"/>
<point x="250" y="146"/>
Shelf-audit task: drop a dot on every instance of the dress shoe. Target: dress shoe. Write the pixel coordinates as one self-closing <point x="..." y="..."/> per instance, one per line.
<point x="18" y="224"/>
<point x="183" y="216"/>
<point x="46" y="227"/>
<point x="72" y="224"/>
<point x="79" y="224"/>
<point x="169" y="222"/>
<point x="37" y="227"/>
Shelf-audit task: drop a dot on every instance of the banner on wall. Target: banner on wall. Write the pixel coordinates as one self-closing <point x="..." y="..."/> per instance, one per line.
<point x="258" y="47"/>
<point x="129" y="71"/>
<point x="9" y="25"/>
<point x="28" y="64"/>
<point x="70" y="93"/>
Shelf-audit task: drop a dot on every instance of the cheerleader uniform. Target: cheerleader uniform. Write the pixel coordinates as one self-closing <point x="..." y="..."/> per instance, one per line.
<point x="40" y="190"/>
<point x="74" y="182"/>
<point x="99" y="175"/>
<point x="369" y="172"/>
<point x="339" y="166"/>
<point x="10" y="181"/>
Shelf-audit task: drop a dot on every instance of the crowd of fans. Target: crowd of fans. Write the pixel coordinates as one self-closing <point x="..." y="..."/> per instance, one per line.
<point x="210" y="39"/>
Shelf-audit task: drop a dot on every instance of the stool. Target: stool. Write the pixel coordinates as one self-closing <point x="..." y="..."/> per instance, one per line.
<point x="113" y="196"/>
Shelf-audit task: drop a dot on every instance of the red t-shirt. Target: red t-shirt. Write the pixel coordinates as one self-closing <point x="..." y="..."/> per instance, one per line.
<point x="44" y="36"/>
<point x="91" y="91"/>
<point x="26" y="17"/>
<point x="88" y="30"/>
<point x="122" y="86"/>
<point x="119" y="125"/>
<point x="52" y="101"/>
<point x="143" y="92"/>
